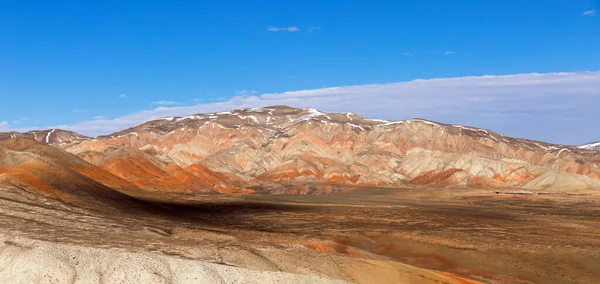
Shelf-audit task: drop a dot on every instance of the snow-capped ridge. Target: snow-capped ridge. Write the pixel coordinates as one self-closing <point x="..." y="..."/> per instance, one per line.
<point x="590" y="146"/>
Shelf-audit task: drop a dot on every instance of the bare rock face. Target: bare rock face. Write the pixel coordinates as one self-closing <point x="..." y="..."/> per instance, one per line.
<point x="233" y="151"/>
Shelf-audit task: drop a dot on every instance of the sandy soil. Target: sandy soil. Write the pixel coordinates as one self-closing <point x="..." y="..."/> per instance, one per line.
<point x="27" y="261"/>
<point x="369" y="235"/>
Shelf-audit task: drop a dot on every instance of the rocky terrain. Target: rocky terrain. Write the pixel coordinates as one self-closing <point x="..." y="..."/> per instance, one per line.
<point x="248" y="150"/>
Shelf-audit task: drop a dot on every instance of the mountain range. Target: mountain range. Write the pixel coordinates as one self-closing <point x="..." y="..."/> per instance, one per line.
<point x="281" y="149"/>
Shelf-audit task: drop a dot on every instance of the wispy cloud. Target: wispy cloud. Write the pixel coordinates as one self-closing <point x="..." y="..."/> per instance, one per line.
<point x="283" y="29"/>
<point x="539" y="106"/>
<point x="448" y="52"/>
<point x="80" y="110"/>
<point x="589" y="13"/>
<point x="245" y="93"/>
<point x="98" y="117"/>
<point x="4" y="126"/>
<point x="166" y="103"/>
<point x="122" y="96"/>
<point x="407" y="53"/>
<point x="313" y="28"/>
<point x="18" y="121"/>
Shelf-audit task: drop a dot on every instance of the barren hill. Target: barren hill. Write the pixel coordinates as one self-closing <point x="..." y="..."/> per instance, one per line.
<point x="53" y="172"/>
<point x="257" y="148"/>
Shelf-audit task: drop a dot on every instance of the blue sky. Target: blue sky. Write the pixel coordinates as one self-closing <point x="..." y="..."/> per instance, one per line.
<point x="63" y="63"/>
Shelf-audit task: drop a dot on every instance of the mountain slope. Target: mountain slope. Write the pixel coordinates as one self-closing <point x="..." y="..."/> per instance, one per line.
<point x="148" y="172"/>
<point x="283" y="145"/>
<point x="55" y="173"/>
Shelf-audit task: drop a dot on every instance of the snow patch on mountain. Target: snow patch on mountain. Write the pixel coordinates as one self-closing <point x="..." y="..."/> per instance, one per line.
<point x="48" y="136"/>
<point x="591" y="146"/>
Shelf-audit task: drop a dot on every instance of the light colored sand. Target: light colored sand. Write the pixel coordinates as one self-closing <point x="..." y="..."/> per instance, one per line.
<point x="28" y="261"/>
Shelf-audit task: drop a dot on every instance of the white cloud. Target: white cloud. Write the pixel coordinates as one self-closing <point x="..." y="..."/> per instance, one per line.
<point x="555" y="107"/>
<point x="589" y="13"/>
<point x="283" y="29"/>
<point x="245" y="93"/>
<point x="122" y="96"/>
<point x="98" y="117"/>
<point x="79" y="110"/>
<point x="4" y="126"/>
<point x="448" y="52"/>
<point x="18" y="121"/>
<point x="165" y="103"/>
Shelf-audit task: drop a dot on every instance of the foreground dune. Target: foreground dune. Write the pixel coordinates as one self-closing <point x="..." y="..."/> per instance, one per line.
<point x="26" y="261"/>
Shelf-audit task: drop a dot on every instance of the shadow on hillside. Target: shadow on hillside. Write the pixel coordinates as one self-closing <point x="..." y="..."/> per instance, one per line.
<point x="227" y="208"/>
<point x="246" y="215"/>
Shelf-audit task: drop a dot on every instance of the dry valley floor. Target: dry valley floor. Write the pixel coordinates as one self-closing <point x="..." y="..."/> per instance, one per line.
<point x="364" y="235"/>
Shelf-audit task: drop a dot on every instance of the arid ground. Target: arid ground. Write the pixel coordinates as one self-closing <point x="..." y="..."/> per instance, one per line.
<point x="359" y="235"/>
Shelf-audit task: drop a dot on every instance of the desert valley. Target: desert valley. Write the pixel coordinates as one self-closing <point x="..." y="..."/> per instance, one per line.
<point x="295" y="195"/>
